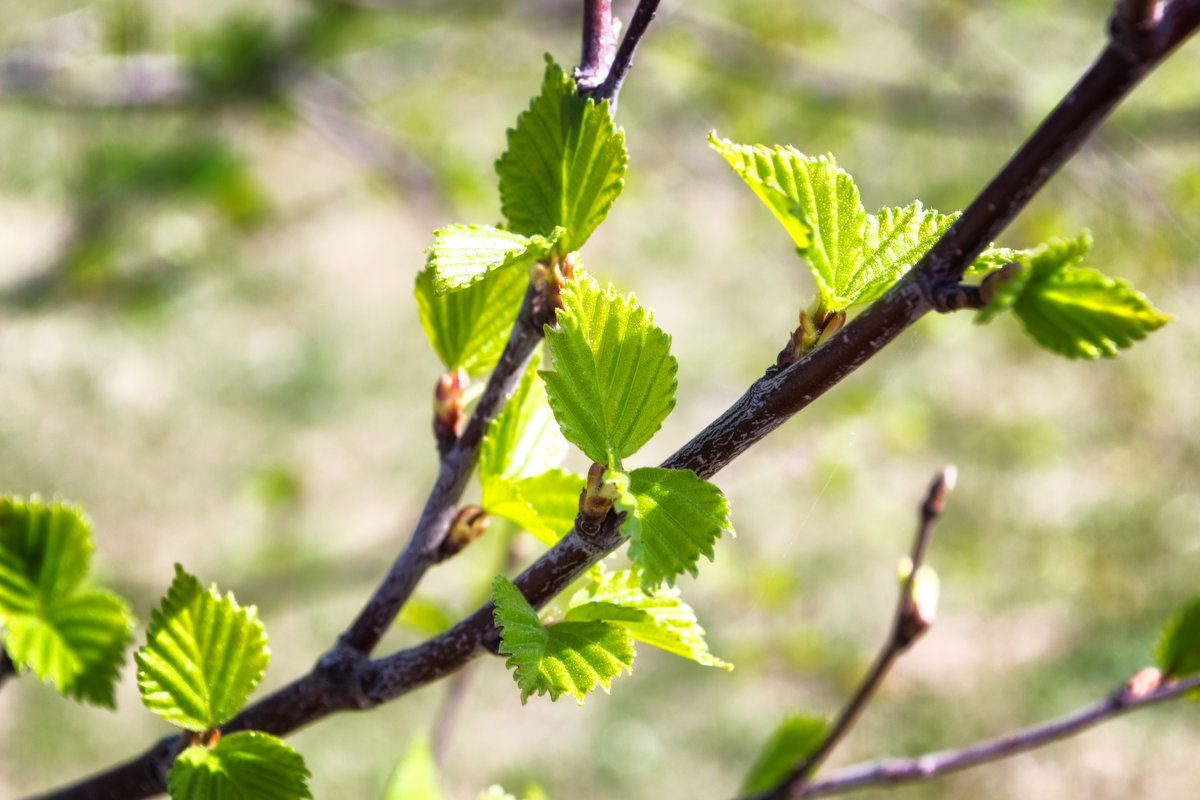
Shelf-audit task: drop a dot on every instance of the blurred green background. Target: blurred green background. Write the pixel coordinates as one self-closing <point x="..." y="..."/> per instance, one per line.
<point x="208" y="339"/>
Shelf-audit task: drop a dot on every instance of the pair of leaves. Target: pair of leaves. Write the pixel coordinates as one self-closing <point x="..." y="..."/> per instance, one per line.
<point x="593" y="643"/>
<point x="612" y="386"/>
<point x="854" y="256"/>
<point x="518" y="462"/>
<point x="204" y="655"/>
<point x="65" y="634"/>
<point x="1072" y="310"/>
<point x="562" y="171"/>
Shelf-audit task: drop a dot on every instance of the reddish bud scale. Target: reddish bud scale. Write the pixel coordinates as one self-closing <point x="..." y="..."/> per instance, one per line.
<point x="469" y="524"/>
<point x="595" y="501"/>
<point x="448" y="406"/>
<point x="548" y="278"/>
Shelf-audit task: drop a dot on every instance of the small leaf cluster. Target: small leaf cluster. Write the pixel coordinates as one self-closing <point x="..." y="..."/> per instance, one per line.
<point x="593" y="642"/>
<point x="855" y="257"/>
<point x="204" y="655"/>
<point x="54" y="627"/>
<point x="1071" y="310"/>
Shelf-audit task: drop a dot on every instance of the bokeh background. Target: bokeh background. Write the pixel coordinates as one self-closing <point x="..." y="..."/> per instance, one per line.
<point x="208" y="339"/>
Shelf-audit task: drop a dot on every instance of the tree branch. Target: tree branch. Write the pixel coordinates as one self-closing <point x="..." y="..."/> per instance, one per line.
<point x="642" y="15"/>
<point x="341" y="683"/>
<point x="894" y="771"/>
<point x="599" y="45"/>
<point x="908" y="623"/>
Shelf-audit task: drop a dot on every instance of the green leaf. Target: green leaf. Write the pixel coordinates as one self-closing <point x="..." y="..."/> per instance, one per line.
<point x="45" y="550"/>
<point x="203" y="656"/>
<point x="524" y="439"/>
<point x="565" y="164"/>
<point x="567" y="658"/>
<point x="74" y="639"/>
<point x="614" y="382"/>
<point x="1178" y="650"/>
<point x="241" y="765"/>
<point x="794" y="740"/>
<point x="854" y="256"/>
<point x="659" y="618"/>
<point x="425" y="616"/>
<point x="1074" y="311"/>
<point x="995" y="257"/>
<point x="469" y="329"/>
<point x="464" y="254"/>
<point x="778" y="176"/>
<point x="674" y="517"/>
<point x="893" y="241"/>
<point x="545" y="505"/>
<point x="415" y="776"/>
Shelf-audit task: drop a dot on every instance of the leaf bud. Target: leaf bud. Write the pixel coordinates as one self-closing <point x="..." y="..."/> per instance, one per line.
<point x="1143" y="683"/>
<point x="995" y="280"/>
<point x="595" y="500"/>
<point x="448" y="404"/>
<point x="548" y="277"/>
<point x="468" y="525"/>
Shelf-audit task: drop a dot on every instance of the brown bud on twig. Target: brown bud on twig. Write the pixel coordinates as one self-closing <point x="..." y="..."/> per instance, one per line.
<point x="448" y="403"/>
<point x="469" y="524"/>
<point x="595" y="501"/>
<point x="995" y="280"/>
<point x="813" y="328"/>
<point x="548" y="278"/>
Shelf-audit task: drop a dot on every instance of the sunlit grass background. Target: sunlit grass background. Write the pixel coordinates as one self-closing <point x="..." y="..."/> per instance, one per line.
<point x="220" y="359"/>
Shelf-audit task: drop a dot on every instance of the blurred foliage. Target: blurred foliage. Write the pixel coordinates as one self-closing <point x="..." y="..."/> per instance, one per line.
<point x="208" y="339"/>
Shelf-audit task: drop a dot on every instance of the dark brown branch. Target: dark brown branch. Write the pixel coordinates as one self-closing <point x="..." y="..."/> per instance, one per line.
<point x="7" y="668"/>
<point x="642" y="15"/>
<point x="908" y="623"/>
<point x="345" y="683"/>
<point x="894" y="771"/>
<point x="455" y="471"/>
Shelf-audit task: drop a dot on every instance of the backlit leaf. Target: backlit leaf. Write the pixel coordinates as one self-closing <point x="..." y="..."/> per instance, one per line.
<point x="464" y="254"/>
<point x="1178" y="650"/>
<point x="203" y="656"/>
<point x="793" y="741"/>
<point x="614" y="379"/>
<point x="415" y="776"/>
<point x="248" y="764"/>
<point x="469" y="329"/>
<point x="545" y="505"/>
<point x="566" y="658"/>
<point x="565" y="164"/>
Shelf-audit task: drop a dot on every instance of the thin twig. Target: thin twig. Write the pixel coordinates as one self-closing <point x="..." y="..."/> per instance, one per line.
<point x="908" y="623"/>
<point x="769" y="402"/>
<point x="642" y="15"/>
<point x="453" y="475"/>
<point x="7" y="668"/>
<point x="893" y="771"/>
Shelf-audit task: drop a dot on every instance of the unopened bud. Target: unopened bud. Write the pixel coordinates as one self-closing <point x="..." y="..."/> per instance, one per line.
<point x="1146" y="681"/>
<point x="994" y="281"/>
<point x="548" y="277"/>
<point x="448" y="403"/>
<point x="469" y="524"/>
<point x="921" y="610"/>
<point x="595" y="500"/>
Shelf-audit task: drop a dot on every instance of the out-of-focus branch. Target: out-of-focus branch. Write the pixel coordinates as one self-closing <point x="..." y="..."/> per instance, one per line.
<point x="66" y="81"/>
<point x="893" y="771"/>
<point x="642" y="15"/>
<point x="7" y="668"/>
<point x="911" y="619"/>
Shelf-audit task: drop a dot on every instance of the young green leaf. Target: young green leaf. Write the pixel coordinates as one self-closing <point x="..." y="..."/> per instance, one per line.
<point x="794" y="740"/>
<point x="659" y="618"/>
<point x="1178" y="650"/>
<point x="240" y="765"/>
<point x="415" y="776"/>
<point x="523" y="440"/>
<point x="73" y="638"/>
<point x="674" y="517"/>
<point x="778" y="176"/>
<point x="469" y="329"/>
<point x="203" y="656"/>
<point x="1074" y="311"/>
<point x="464" y="254"/>
<point x="614" y="379"/>
<point x="565" y="164"/>
<point x="566" y="658"/>
<point x="893" y="240"/>
<point x="545" y="505"/>
<point x="854" y="256"/>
